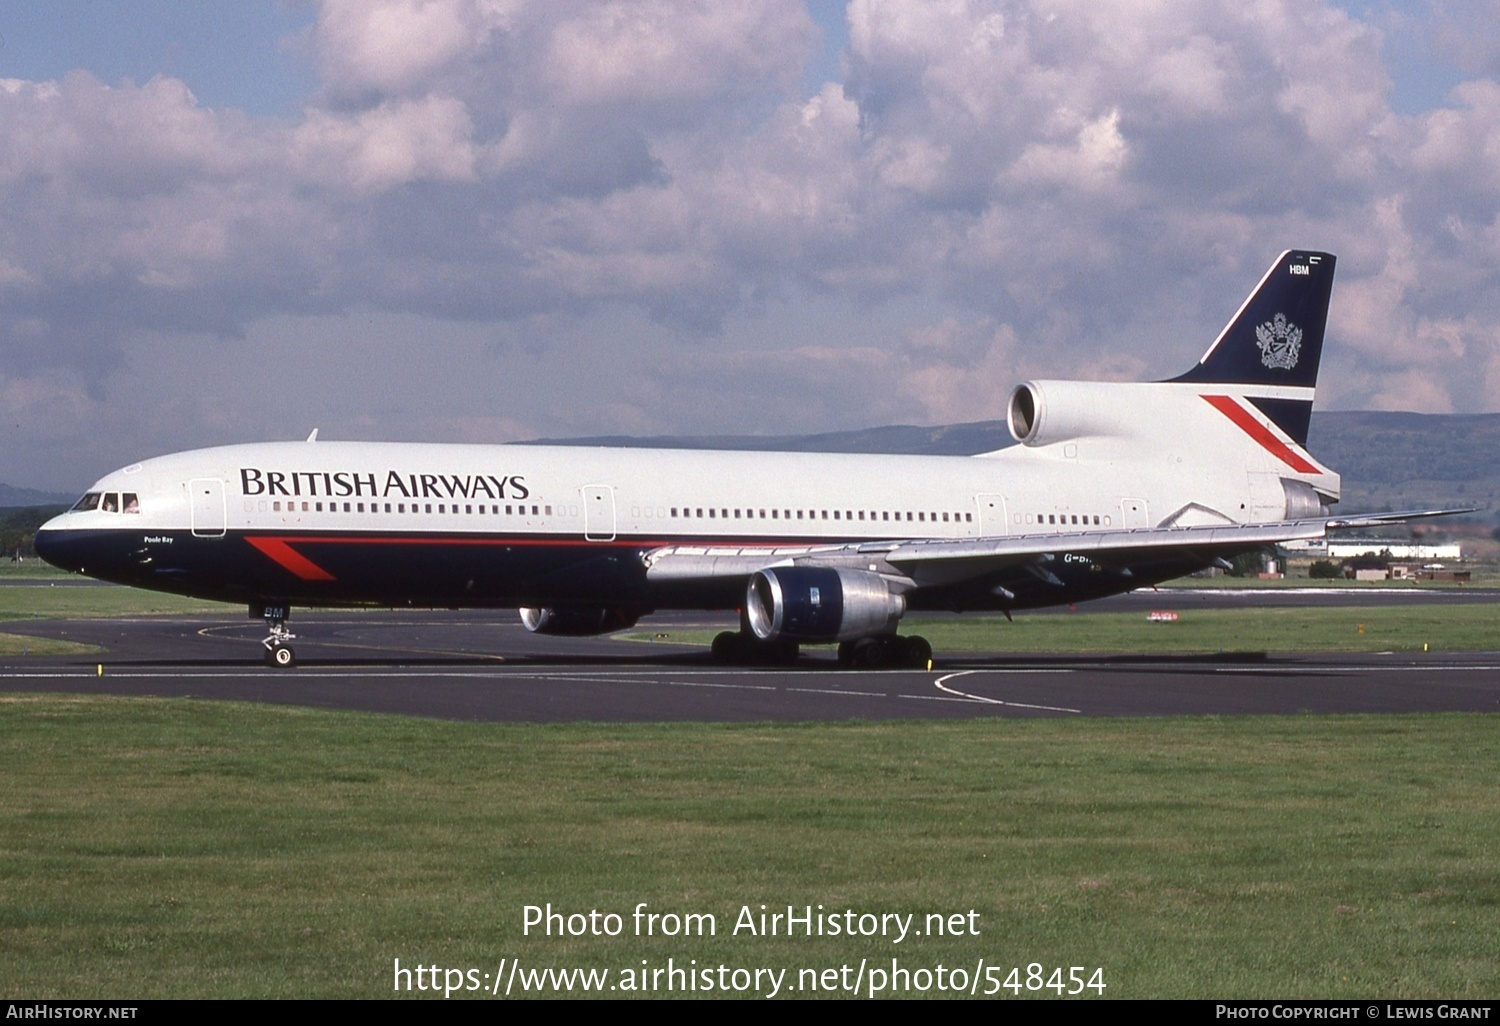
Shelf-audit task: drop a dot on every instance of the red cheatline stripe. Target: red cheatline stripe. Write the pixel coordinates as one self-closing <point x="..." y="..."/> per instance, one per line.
<point x="1247" y="423"/>
<point x="286" y="556"/>
<point x="280" y="549"/>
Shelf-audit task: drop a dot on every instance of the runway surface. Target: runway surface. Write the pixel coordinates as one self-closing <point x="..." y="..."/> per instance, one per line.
<point x="478" y="666"/>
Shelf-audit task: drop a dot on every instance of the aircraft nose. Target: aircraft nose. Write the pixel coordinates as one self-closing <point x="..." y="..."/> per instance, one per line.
<point x="52" y="544"/>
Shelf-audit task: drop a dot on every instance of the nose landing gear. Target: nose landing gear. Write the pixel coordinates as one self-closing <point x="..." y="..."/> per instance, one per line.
<point x="279" y="652"/>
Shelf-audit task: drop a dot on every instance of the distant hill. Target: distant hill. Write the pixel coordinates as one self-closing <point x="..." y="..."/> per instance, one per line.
<point x="10" y="496"/>
<point x="1387" y="461"/>
<point x="1411" y="460"/>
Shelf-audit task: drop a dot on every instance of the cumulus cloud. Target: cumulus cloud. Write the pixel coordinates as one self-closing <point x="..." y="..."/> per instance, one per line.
<point x="1040" y="186"/>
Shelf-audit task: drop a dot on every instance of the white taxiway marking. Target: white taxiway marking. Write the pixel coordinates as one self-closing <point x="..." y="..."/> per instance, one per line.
<point x="941" y="685"/>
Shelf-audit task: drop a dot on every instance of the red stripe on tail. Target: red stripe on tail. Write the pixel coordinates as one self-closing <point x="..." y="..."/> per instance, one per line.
<point x="1247" y="422"/>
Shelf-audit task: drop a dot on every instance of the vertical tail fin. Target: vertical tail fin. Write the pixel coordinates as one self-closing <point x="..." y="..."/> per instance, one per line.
<point x="1275" y="341"/>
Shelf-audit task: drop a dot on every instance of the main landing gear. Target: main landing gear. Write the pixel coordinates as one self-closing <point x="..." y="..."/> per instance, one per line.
<point x="742" y="648"/>
<point x="279" y="652"/>
<point x="888" y="650"/>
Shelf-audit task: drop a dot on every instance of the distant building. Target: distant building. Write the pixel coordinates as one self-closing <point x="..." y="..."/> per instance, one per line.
<point x="1398" y="550"/>
<point x="1433" y="572"/>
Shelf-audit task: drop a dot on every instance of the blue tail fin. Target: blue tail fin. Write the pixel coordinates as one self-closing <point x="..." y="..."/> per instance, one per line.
<point x="1276" y="340"/>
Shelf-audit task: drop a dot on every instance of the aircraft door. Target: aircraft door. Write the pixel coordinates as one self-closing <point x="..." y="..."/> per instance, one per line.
<point x="598" y="513"/>
<point x="206" y="501"/>
<point x="1133" y="513"/>
<point x="992" y="521"/>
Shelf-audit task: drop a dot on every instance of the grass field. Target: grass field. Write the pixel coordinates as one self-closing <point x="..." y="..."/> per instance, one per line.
<point x="1398" y="628"/>
<point x="156" y="848"/>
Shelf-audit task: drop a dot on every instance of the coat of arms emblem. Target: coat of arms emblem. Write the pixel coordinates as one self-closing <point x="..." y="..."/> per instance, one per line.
<point x="1280" y="343"/>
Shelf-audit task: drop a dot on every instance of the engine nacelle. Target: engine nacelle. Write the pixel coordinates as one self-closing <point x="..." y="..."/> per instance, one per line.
<point x="577" y="622"/>
<point x="820" y="604"/>
<point x="1044" y="412"/>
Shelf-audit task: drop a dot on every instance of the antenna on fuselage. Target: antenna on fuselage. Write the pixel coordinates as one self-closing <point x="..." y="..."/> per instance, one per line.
<point x="314" y="436"/>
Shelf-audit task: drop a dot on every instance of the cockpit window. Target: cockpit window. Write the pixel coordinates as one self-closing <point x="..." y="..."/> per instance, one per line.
<point x="109" y="502"/>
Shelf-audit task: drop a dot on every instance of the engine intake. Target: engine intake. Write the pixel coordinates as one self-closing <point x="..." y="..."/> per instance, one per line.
<point x="577" y="622"/>
<point x="1044" y="412"/>
<point x="820" y="604"/>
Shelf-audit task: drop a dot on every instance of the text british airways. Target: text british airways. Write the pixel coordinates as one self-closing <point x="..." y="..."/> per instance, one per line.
<point x="338" y="484"/>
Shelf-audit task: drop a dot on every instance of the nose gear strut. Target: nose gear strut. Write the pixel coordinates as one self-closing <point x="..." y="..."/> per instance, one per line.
<point x="279" y="652"/>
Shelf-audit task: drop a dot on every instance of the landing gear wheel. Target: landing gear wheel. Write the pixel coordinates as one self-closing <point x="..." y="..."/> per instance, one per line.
<point x="782" y="652"/>
<point x="728" y="648"/>
<point x="735" y="648"/>
<point x="916" y="652"/>
<point x="886" y="650"/>
<point x="867" y="653"/>
<point x="278" y="643"/>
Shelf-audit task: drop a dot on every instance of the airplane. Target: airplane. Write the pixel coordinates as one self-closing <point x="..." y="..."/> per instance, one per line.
<point x="1112" y="487"/>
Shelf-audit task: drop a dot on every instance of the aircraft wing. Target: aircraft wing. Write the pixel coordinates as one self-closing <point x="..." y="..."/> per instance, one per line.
<point x="939" y="561"/>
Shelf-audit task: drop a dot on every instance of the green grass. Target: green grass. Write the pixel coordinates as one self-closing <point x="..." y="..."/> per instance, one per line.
<point x="71" y="603"/>
<point x="155" y="848"/>
<point x="22" y="644"/>
<point x="1395" y="628"/>
<point x="32" y="569"/>
<point x="1401" y="628"/>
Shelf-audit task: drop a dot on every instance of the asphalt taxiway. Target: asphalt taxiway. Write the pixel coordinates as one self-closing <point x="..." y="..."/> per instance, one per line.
<point x="478" y="666"/>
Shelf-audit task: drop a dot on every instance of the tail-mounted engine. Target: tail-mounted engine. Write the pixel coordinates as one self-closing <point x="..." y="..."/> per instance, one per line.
<point x="577" y="622"/>
<point x="1044" y="412"/>
<point x="820" y="604"/>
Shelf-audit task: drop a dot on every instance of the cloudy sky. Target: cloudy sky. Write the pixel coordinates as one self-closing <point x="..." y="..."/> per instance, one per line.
<point x="490" y="220"/>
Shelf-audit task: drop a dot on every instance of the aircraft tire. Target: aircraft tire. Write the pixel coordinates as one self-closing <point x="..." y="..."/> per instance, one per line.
<point x="281" y="656"/>
<point x="781" y="652"/>
<point x="916" y="652"/>
<point x="727" y="648"/>
<point x="867" y="653"/>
